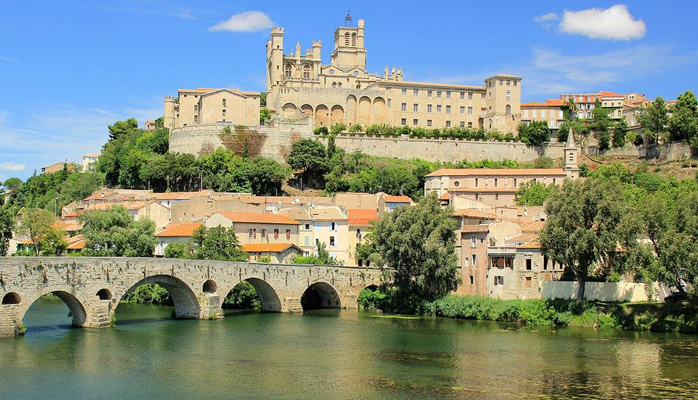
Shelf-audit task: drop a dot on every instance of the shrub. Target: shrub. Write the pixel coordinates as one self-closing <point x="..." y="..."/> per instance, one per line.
<point x="321" y="130"/>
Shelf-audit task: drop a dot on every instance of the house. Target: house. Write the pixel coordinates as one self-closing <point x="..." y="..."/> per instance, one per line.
<point x="89" y="161"/>
<point x="174" y="233"/>
<point x="275" y="253"/>
<point x="306" y="233"/>
<point x="331" y="227"/>
<point x="359" y="224"/>
<point x="257" y="227"/>
<point x="392" y="202"/>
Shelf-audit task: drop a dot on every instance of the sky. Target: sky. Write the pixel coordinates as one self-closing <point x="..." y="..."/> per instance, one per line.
<point x="68" y="69"/>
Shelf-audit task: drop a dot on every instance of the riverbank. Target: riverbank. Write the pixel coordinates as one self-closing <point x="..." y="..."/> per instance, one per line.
<point x="655" y="317"/>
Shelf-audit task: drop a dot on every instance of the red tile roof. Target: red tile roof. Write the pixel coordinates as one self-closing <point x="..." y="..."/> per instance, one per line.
<point x="180" y="230"/>
<point x="76" y="242"/>
<point x="397" y="199"/>
<point x="268" y="247"/>
<point x="361" y="217"/>
<point x="258" y="218"/>
<point x="475" y="229"/>
<point x="498" y="172"/>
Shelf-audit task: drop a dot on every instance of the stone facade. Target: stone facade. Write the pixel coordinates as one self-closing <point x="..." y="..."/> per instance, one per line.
<point x="93" y="287"/>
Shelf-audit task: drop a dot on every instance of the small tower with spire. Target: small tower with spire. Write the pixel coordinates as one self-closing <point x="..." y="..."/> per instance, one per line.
<point x="571" y="169"/>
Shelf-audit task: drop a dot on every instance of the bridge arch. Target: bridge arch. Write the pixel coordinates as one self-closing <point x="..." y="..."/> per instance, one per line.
<point x="184" y="298"/>
<point x="210" y="286"/>
<point x="320" y="295"/>
<point x="104" y="294"/>
<point x="12" y="298"/>
<point x="73" y="299"/>
<point x="268" y="296"/>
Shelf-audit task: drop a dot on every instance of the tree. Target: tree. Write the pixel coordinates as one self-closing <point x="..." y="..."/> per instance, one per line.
<point x="114" y="233"/>
<point x="6" y="225"/>
<point x="533" y="193"/>
<point x="535" y="133"/>
<point x="582" y="226"/>
<point x="418" y="243"/>
<point x="218" y="243"/>
<point x="308" y="156"/>
<point x="601" y="125"/>
<point x="264" y="115"/>
<point x="322" y="257"/>
<point x="654" y="119"/>
<point x="683" y="124"/>
<point x="122" y="128"/>
<point x="619" y="131"/>
<point x="12" y="184"/>
<point x="180" y="250"/>
<point x="37" y="225"/>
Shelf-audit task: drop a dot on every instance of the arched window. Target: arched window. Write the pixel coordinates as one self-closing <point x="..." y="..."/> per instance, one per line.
<point x="306" y="71"/>
<point x="288" y="71"/>
<point x="346" y="39"/>
<point x="508" y="94"/>
<point x="353" y="39"/>
<point x="334" y="84"/>
<point x="339" y="84"/>
<point x="508" y="109"/>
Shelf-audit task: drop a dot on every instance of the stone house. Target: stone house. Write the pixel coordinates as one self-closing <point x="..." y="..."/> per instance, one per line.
<point x="256" y="227"/>
<point x="359" y="222"/>
<point x="174" y="233"/>
<point x="276" y="253"/>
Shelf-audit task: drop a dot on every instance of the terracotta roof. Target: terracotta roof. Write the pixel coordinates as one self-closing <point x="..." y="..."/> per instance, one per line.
<point x="72" y="214"/>
<point x="445" y="196"/>
<point x="532" y="227"/>
<point x="258" y="218"/>
<point x="361" y="217"/>
<point x="547" y="103"/>
<point x="178" y="195"/>
<point x="472" y="213"/>
<point x="180" y="230"/>
<point x="67" y="226"/>
<point x="76" y="242"/>
<point x="268" y="247"/>
<point x="498" y="172"/>
<point x="610" y="94"/>
<point x="522" y="239"/>
<point x="475" y="229"/>
<point x="530" y="245"/>
<point x="397" y="199"/>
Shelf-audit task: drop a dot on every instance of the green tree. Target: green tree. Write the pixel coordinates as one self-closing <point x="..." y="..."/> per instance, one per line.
<point x="265" y="176"/>
<point x="533" y="193"/>
<point x="218" y="243"/>
<point x="418" y="243"/>
<point x="619" y="131"/>
<point x="6" y="225"/>
<point x="683" y="123"/>
<point x="264" y="115"/>
<point x="601" y="125"/>
<point x="114" y="233"/>
<point x="37" y="225"/>
<point x="654" y="120"/>
<point x="582" y="226"/>
<point x="122" y="128"/>
<point x="180" y="250"/>
<point x="322" y="257"/>
<point x="12" y="184"/>
<point x="309" y="157"/>
<point x="534" y="133"/>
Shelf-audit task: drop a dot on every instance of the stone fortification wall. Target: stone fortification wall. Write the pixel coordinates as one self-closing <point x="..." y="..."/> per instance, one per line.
<point x="202" y="139"/>
<point x="448" y="150"/>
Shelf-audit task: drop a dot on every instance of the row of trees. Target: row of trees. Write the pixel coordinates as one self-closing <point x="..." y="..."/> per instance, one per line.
<point x="677" y="124"/>
<point x="617" y="222"/>
<point x="415" y="132"/>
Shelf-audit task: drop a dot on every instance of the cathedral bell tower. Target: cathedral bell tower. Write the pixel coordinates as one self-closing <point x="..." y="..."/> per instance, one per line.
<point x="571" y="169"/>
<point x="349" y="50"/>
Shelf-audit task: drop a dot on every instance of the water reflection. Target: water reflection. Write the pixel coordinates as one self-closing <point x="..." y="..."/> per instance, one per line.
<point x="332" y="354"/>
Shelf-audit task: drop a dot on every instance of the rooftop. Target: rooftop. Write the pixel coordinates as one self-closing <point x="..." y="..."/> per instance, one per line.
<point x="361" y="217"/>
<point x="258" y="218"/>
<point x="180" y="230"/>
<point x="268" y="247"/>
<point x="498" y="172"/>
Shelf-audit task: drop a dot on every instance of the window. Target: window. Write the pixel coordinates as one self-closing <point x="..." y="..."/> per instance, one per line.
<point x="515" y="83"/>
<point x="403" y="121"/>
<point x="333" y="226"/>
<point x="404" y="92"/>
<point x="306" y="71"/>
<point x="438" y="94"/>
<point x="462" y="95"/>
<point x="515" y="182"/>
<point x="471" y="280"/>
<point x="252" y="233"/>
<point x="196" y="107"/>
<point x="224" y="102"/>
<point x="473" y="241"/>
<point x="508" y="95"/>
<point x="496" y="196"/>
<point x="462" y="109"/>
<point x="403" y="107"/>
<point x="223" y="113"/>
<point x="508" y="82"/>
<point x="470" y="95"/>
<point x="332" y="242"/>
<point x="448" y="94"/>
<point x="428" y="108"/>
<point x="306" y="241"/>
<point x="288" y="233"/>
<point x="389" y="102"/>
<point x="529" y="282"/>
<point x="482" y="96"/>
<point x="498" y="281"/>
<point x="462" y="124"/>
<point x="416" y="92"/>
<point x="448" y="124"/>
<point x="264" y="233"/>
<point x="353" y="39"/>
<point x="529" y="265"/>
<point x="428" y="122"/>
<point x="415" y="107"/>
<point x="358" y="233"/>
<point x="470" y="111"/>
<point x="470" y="124"/>
<point x="196" y="118"/>
<point x="346" y="39"/>
<point x="448" y="109"/>
<point x="276" y="233"/>
<point x="415" y="122"/>
<point x="495" y="182"/>
<point x="307" y="227"/>
<point x="477" y="182"/>
<point x="545" y="262"/>
<point x="501" y="82"/>
<point x="474" y="258"/>
<point x="429" y="93"/>
<point x="288" y="70"/>
<point x="438" y="108"/>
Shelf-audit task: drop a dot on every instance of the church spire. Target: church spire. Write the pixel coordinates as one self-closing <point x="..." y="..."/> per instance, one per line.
<point x="571" y="169"/>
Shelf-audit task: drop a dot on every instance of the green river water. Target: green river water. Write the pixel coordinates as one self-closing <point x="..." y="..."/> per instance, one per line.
<point x="331" y="354"/>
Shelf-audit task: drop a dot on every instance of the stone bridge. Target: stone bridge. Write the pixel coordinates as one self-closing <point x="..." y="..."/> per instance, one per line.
<point x="93" y="287"/>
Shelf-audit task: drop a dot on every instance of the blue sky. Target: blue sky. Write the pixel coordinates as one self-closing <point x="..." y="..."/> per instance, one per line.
<point x="70" y="68"/>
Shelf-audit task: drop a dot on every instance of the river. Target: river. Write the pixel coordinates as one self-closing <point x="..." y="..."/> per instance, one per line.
<point x="332" y="354"/>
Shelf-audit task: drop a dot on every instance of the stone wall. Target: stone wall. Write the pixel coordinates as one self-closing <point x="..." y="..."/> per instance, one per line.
<point x="664" y="152"/>
<point x="93" y="287"/>
<point x="200" y="139"/>
<point x="601" y="291"/>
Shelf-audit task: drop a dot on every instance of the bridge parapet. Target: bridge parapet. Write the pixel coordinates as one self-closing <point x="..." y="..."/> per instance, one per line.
<point x="92" y="287"/>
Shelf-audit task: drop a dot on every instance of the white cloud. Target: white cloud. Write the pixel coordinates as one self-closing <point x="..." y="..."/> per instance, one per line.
<point x="248" y="21"/>
<point x="9" y="60"/>
<point x="615" y="23"/>
<point x="551" y="16"/>
<point x="10" y="166"/>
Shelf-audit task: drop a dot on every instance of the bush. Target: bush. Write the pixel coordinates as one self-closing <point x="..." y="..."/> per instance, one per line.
<point x="321" y="130"/>
<point x="337" y="128"/>
<point x="355" y="128"/>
